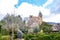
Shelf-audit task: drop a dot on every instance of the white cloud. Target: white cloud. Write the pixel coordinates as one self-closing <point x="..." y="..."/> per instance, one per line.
<point x="48" y="2"/>
<point x="53" y="18"/>
<point x="1" y="16"/>
<point x="7" y="6"/>
<point x="55" y="7"/>
<point x="26" y="9"/>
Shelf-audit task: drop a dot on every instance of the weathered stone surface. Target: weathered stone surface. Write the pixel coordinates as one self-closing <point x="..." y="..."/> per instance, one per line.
<point x="19" y="34"/>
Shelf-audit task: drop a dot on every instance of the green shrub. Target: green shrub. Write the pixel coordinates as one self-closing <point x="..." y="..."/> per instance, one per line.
<point x="46" y="37"/>
<point x="4" y="32"/>
<point x="51" y="36"/>
<point x="57" y="37"/>
<point x="29" y="36"/>
<point x="39" y="38"/>
<point x="5" y="37"/>
<point x="0" y="37"/>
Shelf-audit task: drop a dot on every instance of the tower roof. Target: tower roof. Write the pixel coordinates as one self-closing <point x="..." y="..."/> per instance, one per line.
<point x="40" y="14"/>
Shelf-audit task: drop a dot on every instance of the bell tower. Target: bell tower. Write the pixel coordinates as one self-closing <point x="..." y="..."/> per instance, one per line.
<point x="40" y="16"/>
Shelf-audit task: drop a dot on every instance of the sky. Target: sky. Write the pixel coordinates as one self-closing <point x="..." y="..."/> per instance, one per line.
<point x="50" y="9"/>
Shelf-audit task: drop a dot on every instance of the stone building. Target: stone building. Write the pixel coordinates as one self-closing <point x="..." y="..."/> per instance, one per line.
<point x="34" y="21"/>
<point x="56" y="27"/>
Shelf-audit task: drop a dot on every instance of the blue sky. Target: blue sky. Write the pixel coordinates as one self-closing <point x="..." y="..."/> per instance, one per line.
<point x="33" y="2"/>
<point x="49" y="8"/>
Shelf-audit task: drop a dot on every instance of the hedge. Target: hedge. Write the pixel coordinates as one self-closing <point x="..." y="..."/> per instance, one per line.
<point x="42" y="37"/>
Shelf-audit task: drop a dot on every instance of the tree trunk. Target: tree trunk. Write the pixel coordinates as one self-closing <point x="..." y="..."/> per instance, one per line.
<point x="12" y="34"/>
